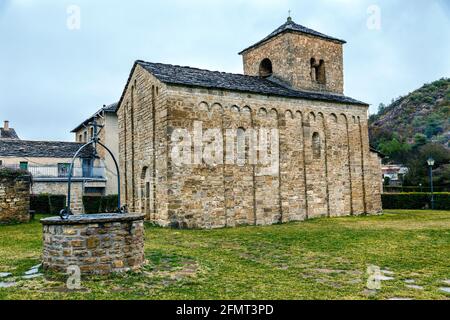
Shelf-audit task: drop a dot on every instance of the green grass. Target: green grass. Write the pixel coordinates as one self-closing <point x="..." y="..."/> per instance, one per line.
<point x="316" y="259"/>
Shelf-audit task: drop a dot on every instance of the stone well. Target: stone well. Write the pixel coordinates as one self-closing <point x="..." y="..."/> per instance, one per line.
<point x="98" y="244"/>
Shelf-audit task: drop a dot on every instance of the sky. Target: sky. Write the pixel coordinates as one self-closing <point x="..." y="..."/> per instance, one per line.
<point x="60" y="61"/>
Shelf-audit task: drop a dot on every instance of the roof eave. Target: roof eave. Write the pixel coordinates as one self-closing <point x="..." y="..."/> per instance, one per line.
<point x="82" y="125"/>
<point x="260" y="43"/>
<point x="356" y="102"/>
<point x="119" y="104"/>
<point x="91" y="118"/>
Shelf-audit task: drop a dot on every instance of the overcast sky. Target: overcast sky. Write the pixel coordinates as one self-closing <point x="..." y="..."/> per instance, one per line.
<point x="52" y="77"/>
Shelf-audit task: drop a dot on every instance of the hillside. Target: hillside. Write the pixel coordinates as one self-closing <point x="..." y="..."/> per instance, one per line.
<point x="422" y="116"/>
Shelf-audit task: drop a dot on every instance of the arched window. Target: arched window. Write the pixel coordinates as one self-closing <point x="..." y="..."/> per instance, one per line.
<point x="241" y="145"/>
<point x="321" y="78"/>
<point x="318" y="74"/>
<point x="265" y="68"/>
<point x="316" y="145"/>
<point x="145" y="191"/>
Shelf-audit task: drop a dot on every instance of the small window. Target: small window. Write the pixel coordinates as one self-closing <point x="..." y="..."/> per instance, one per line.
<point x="318" y="74"/>
<point x="321" y="72"/>
<point x="316" y="145"/>
<point x="85" y="136"/>
<point x="1" y="163"/>
<point x="265" y="68"/>
<point x="23" y="165"/>
<point x="63" y="170"/>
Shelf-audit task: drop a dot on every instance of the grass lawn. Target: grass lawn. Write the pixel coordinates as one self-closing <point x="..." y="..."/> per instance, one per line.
<point x="316" y="259"/>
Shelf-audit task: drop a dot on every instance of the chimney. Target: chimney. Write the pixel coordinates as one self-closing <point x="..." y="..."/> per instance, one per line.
<point x="6" y="125"/>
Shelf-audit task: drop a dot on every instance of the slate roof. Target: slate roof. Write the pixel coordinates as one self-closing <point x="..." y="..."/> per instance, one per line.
<point x="8" y="134"/>
<point x="187" y="76"/>
<point x="112" y="108"/>
<point x="42" y="149"/>
<point x="374" y="150"/>
<point x="291" y="26"/>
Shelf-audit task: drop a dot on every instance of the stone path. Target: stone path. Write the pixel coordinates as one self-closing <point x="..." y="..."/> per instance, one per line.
<point x="388" y="275"/>
<point x="415" y="287"/>
<point x="385" y="278"/>
<point x="5" y="274"/>
<point x="445" y="289"/>
<point x="4" y="285"/>
<point x="33" y="273"/>
<point x="32" y="276"/>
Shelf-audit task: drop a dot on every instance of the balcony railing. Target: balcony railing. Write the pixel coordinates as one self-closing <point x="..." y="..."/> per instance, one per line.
<point x="62" y="172"/>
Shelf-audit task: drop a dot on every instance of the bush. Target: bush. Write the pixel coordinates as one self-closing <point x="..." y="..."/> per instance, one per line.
<point x="12" y="173"/>
<point x="98" y="204"/>
<point x="56" y="203"/>
<point x="416" y="201"/>
<point x="47" y="204"/>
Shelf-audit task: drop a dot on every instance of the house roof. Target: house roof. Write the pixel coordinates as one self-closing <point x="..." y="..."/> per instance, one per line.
<point x="193" y="77"/>
<point x="8" y="134"/>
<point x="42" y="149"/>
<point x="374" y="150"/>
<point x="291" y="26"/>
<point x="112" y="108"/>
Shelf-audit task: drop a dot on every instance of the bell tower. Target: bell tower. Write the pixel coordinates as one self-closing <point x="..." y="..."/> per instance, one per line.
<point x="298" y="57"/>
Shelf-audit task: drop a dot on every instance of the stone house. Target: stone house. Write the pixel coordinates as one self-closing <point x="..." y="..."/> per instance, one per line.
<point x="395" y="174"/>
<point x="293" y="86"/>
<point x="49" y="163"/>
<point x="106" y="118"/>
<point x="7" y="133"/>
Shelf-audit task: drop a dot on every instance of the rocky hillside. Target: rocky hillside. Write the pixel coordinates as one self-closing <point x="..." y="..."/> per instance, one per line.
<point x="421" y="117"/>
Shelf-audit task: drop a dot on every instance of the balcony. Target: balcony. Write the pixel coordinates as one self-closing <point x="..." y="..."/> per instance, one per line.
<point x="61" y="171"/>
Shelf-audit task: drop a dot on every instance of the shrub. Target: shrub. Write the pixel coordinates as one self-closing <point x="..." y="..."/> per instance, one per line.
<point x="12" y="173"/>
<point x="99" y="204"/>
<point x="416" y="201"/>
<point x="56" y="203"/>
<point x="47" y="204"/>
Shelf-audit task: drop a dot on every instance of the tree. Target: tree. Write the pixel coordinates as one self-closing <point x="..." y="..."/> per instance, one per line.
<point x="420" y="140"/>
<point x="418" y="167"/>
<point x="434" y="126"/>
<point x="395" y="150"/>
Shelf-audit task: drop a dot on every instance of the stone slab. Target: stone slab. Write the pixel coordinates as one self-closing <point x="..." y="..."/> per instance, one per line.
<point x="92" y="218"/>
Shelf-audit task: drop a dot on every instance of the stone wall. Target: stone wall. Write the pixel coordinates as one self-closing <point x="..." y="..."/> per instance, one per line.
<point x="14" y="199"/>
<point x="97" y="244"/>
<point x="291" y="54"/>
<point x="326" y="168"/>
<point x="60" y="188"/>
<point x="143" y="147"/>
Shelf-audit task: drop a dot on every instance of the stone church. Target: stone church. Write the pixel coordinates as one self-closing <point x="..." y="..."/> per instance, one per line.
<point x="293" y="82"/>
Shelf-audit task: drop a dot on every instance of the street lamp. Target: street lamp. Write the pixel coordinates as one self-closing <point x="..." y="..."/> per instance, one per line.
<point x="430" y="165"/>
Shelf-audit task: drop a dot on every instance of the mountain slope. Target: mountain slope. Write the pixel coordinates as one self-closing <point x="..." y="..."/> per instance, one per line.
<point x="422" y="116"/>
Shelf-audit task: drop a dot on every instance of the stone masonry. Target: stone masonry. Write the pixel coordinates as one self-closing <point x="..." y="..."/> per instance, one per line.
<point x="14" y="199"/>
<point x="97" y="244"/>
<point x="326" y="167"/>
